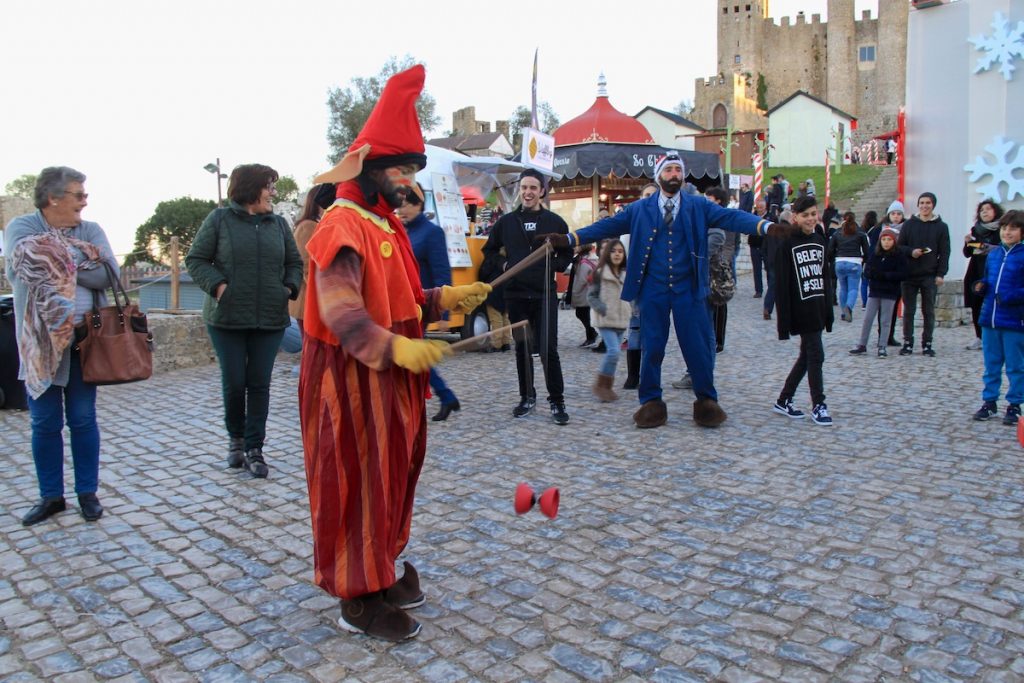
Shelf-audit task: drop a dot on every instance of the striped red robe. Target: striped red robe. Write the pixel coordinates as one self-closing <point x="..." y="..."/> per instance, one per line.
<point x="363" y="418"/>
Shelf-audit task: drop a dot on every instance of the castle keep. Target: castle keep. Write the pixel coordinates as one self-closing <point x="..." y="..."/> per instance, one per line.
<point x="856" y="65"/>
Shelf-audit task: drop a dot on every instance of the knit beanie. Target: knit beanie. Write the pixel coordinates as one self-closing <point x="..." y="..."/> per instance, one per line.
<point x="887" y="231"/>
<point x="669" y="158"/>
<point x="896" y="206"/>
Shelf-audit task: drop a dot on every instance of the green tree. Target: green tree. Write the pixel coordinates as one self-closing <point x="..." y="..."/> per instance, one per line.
<point x="350" y="107"/>
<point x="521" y="118"/>
<point x="287" y="189"/>
<point x="762" y="92"/>
<point x="179" y="218"/>
<point x="22" y="186"/>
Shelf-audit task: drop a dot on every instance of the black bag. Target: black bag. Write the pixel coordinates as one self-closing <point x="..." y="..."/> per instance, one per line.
<point x="114" y="341"/>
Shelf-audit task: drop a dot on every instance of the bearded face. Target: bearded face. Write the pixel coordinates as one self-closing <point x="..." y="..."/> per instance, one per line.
<point x="671" y="178"/>
<point x="394" y="183"/>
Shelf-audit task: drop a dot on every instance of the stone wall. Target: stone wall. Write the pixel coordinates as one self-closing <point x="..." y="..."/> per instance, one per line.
<point x="949" y="305"/>
<point x="179" y="340"/>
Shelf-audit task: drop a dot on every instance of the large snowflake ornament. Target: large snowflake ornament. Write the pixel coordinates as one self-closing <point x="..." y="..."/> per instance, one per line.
<point x="1002" y="46"/>
<point x="1002" y="171"/>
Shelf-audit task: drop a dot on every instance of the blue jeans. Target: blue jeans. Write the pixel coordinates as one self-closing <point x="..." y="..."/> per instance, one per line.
<point x="612" y="338"/>
<point x="1003" y="347"/>
<point x="633" y="334"/>
<point x="437" y="384"/>
<point x="78" y="401"/>
<point x="848" y="274"/>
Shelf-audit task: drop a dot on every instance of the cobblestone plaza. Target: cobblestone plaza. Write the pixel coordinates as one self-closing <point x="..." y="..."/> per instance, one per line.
<point x="887" y="547"/>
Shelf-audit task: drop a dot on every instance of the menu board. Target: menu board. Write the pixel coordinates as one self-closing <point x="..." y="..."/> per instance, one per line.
<point x="451" y="216"/>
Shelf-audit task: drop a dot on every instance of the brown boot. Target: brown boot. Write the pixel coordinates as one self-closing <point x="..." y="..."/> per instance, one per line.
<point x="371" y="615"/>
<point x="603" y="388"/>
<point x="707" y="412"/>
<point x="651" y="414"/>
<point x="406" y="592"/>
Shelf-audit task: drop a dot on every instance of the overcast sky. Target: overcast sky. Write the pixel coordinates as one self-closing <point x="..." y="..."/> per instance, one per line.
<point x="140" y="95"/>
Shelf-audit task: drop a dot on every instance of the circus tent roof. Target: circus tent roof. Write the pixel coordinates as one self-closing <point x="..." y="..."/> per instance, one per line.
<point x="602" y="123"/>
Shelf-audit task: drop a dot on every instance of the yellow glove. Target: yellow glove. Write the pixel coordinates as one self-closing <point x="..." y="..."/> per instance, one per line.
<point x="418" y="355"/>
<point x="464" y="298"/>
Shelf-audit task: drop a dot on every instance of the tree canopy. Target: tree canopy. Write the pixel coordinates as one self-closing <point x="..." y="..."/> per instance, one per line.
<point x="350" y="107"/>
<point x="179" y="217"/>
<point x="520" y="119"/>
<point x="287" y="189"/>
<point x="22" y="186"/>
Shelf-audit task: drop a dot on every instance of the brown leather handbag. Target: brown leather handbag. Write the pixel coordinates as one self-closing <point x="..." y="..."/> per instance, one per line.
<point x="114" y="342"/>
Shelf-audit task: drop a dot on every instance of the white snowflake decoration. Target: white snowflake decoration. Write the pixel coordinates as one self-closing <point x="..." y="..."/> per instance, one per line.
<point x="1002" y="46"/>
<point x="1002" y="171"/>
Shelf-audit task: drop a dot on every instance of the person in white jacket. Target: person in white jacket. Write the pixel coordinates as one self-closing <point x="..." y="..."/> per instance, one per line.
<point x="612" y="314"/>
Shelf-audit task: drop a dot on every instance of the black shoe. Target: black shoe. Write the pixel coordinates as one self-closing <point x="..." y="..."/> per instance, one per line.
<point x="600" y="348"/>
<point x="446" y="410"/>
<point x="757" y="295"/>
<point x="44" y="509"/>
<point x="558" y="414"/>
<point x="926" y="350"/>
<point x="987" y="410"/>
<point x="89" y="506"/>
<point x="255" y="463"/>
<point x="1012" y="415"/>
<point x="892" y="342"/>
<point x="505" y="347"/>
<point x="857" y="350"/>
<point x="524" y="408"/>
<point x="908" y="349"/>
<point x="236" y="452"/>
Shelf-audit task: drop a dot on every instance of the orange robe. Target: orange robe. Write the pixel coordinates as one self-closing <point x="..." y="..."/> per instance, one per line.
<point x="363" y="418"/>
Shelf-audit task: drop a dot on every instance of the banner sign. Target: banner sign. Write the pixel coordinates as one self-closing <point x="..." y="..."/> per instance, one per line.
<point x="451" y="216"/>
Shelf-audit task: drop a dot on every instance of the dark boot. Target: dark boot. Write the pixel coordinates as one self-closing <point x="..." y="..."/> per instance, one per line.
<point x="236" y="452"/>
<point x="707" y="412"/>
<point x="632" y="369"/>
<point x="406" y="592"/>
<point x="372" y="615"/>
<point x="255" y="463"/>
<point x="603" y="388"/>
<point x="446" y="410"/>
<point x="652" y="414"/>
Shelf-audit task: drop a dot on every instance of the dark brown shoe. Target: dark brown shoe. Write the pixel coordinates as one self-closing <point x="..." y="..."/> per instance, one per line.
<point x="707" y="413"/>
<point x="603" y="389"/>
<point x="652" y="414"/>
<point x="406" y="592"/>
<point x="371" y="615"/>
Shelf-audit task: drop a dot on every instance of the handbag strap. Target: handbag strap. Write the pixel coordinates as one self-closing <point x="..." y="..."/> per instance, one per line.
<point x="117" y="288"/>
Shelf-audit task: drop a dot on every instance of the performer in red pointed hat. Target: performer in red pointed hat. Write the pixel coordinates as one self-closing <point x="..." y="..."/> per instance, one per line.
<point x="365" y="369"/>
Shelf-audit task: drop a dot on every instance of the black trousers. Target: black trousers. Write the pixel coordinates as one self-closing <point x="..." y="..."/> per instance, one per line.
<point x="720" y="316"/>
<point x="246" y="364"/>
<point x="583" y="315"/>
<point x="809" y="363"/>
<point x="543" y="333"/>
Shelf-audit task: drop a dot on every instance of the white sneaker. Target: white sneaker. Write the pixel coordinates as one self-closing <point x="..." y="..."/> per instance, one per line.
<point x="974" y="345"/>
<point x="788" y="409"/>
<point x="820" y="416"/>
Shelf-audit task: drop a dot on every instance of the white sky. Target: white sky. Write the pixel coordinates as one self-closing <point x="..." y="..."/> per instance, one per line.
<point x="140" y="95"/>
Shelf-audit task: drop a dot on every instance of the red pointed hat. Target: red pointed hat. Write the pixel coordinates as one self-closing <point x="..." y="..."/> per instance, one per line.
<point x="391" y="134"/>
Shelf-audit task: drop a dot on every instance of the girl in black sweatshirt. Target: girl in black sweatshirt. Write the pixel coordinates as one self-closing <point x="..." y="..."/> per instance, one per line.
<point x="803" y="289"/>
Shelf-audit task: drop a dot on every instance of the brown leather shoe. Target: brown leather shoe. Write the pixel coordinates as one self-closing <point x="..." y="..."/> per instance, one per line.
<point x="371" y="615"/>
<point x="406" y="592"/>
<point x="603" y="388"/>
<point x="707" y="413"/>
<point x="652" y="414"/>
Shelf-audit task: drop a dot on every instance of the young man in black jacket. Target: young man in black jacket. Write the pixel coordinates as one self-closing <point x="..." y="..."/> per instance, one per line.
<point x="531" y="295"/>
<point x="924" y="239"/>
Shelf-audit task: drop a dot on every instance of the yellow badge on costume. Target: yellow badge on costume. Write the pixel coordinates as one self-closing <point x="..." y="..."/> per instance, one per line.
<point x="386" y="249"/>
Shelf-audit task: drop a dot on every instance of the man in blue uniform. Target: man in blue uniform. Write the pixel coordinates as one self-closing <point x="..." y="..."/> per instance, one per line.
<point x="667" y="275"/>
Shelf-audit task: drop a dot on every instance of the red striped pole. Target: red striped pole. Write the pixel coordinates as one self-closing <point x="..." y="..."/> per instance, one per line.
<point x="758" y="174"/>
<point x="828" y="181"/>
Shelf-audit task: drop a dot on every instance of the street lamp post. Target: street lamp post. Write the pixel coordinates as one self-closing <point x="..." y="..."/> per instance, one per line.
<point x="215" y="169"/>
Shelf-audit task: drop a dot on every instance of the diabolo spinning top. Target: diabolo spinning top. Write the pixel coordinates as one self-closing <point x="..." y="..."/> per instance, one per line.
<point x="525" y="499"/>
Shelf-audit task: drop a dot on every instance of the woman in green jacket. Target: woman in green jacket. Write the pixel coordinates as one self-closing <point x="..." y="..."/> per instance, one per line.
<point x="245" y="258"/>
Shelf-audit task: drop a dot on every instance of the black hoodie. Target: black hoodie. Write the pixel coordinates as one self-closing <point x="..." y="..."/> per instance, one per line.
<point x="803" y="285"/>
<point x="515" y="231"/>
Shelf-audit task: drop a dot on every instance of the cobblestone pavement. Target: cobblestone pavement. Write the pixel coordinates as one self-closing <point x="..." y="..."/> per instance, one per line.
<point x="885" y="548"/>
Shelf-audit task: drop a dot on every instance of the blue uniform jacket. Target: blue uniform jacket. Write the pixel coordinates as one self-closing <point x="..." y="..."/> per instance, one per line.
<point x="642" y="219"/>
<point x="1004" y="289"/>
<point x="430" y="248"/>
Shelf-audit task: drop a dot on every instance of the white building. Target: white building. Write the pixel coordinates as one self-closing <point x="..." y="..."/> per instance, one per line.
<point x="668" y="129"/>
<point x="802" y="127"/>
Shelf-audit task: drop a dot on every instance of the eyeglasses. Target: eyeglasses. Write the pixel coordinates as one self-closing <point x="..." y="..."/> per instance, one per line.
<point x="80" y="196"/>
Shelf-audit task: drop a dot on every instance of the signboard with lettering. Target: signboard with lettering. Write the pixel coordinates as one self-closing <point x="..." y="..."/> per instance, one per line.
<point x="451" y="216"/>
<point x="538" y="149"/>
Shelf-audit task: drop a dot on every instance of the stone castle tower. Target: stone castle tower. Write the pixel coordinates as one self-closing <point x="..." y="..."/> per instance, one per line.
<point x="856" y="65"/>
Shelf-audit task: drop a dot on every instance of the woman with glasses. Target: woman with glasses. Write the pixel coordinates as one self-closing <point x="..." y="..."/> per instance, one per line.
<point x="56" y="262"/>
<point x="245" y="258"/>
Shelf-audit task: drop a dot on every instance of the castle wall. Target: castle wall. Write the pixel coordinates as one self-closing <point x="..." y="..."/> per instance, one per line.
<point x="800" y="58"/>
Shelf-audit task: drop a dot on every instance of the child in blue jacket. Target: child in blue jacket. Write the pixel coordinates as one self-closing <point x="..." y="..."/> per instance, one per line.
<point x="1002" y="320"/>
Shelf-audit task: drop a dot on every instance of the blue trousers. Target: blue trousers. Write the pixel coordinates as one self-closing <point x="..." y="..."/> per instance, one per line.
<point x="612" y="338"/>
<point x="1003" y="347"/>
<point x="696" y="335"/>
<point x="848" y="274"/>
<point x="78" y="401"/>
<point x="438" y="386"/>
